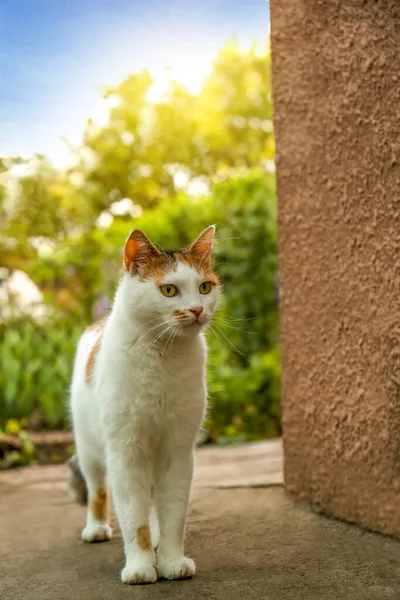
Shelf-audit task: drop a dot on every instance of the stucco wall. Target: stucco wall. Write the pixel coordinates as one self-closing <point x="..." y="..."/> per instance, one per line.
<point x="336" y="85"/>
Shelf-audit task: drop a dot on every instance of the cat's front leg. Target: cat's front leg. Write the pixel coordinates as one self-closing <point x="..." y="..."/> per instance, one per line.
<point x="173" y="481"/>
<point x="130" y="479"/>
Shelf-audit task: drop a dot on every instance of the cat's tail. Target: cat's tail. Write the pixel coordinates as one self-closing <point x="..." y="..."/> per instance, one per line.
<point x="76" y="481"/>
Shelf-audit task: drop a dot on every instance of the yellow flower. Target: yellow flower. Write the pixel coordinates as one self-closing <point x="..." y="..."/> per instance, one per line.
<point x="12" y="427"/>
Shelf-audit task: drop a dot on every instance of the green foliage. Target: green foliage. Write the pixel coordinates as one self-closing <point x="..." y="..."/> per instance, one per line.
<point x="35" y="370"/>
<point x="245" y="374"/>
<point x="52" y="228"/>
<point x="21" y="451"/>
<point x="245" y="401"/>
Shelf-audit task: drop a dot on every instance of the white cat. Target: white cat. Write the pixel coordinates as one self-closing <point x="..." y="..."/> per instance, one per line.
<point x="138" y="399"/>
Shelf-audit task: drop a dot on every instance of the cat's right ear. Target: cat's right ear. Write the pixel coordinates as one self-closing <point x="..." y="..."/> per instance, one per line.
<point x="137" y="249"/>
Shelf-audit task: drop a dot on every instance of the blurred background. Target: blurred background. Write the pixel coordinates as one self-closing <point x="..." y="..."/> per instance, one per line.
<point x="116" y="115"/>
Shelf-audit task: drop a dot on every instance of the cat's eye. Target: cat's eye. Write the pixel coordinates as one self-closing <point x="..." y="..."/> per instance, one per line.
<point x="205" y="287"/>
<point x="169" y="290"/>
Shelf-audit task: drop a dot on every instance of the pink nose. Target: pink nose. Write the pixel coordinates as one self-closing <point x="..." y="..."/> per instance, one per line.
<point x="196" y="310"/>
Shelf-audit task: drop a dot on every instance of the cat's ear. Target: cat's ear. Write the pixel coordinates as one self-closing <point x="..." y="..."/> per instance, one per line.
<point x="203" y="245"/>
<point x="138" y="248"/>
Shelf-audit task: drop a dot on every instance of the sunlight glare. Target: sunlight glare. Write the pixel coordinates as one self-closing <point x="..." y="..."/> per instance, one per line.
<point x="188" y="70"/>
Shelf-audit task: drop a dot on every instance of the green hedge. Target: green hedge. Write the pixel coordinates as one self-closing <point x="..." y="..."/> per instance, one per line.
<point x="35" y="370"/>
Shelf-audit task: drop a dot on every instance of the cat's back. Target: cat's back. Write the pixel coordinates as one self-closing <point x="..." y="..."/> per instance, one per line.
<point x="86" y="354"/>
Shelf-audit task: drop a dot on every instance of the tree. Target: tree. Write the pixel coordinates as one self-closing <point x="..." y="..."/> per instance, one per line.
<point x="143" y="145"/>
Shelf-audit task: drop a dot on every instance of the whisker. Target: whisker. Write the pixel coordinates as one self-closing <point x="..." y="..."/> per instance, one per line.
<point x="151" y="345"/>
<point x="219" y="263"/>
<point x="224" y="323"/>
<point x="216" y="334"/>
<point x="141" y="335"/>
<point x="168" y="340"/>
<point x="230" y="317"/>
<point x="178" y="330"/>
<point x="230" y="343"/>
<point x="238" y="328"/>
<point x="220" y="240"/>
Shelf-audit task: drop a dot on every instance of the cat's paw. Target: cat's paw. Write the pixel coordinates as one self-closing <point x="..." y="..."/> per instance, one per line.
<point x="180" y="568"/>
<point x="137" y="575"/>
<point x="97" y="532"/>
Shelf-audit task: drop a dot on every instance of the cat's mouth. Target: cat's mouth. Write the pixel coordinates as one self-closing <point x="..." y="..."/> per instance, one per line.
<point x="191" y="323"/>
<point x="188" y="322"/>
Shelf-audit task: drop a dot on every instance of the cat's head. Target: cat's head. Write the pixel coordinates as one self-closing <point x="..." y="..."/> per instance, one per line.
<point x="174" y="290"/>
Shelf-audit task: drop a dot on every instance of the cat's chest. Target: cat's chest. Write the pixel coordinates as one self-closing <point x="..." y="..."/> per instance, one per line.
<point x="159" y="380"/>
<point x="169" y="380"/>
<point x="160" y="394"/>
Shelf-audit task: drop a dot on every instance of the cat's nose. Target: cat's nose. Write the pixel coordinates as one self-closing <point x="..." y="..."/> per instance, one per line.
<point x="196" y="310"/>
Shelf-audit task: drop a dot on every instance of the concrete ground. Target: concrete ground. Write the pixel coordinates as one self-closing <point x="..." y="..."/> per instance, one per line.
<point x="249" y="541"/>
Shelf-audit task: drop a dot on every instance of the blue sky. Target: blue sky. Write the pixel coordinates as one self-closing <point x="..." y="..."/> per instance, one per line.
<point x="55" y="55"/>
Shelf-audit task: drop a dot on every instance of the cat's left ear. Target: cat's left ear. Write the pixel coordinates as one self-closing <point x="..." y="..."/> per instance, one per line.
<point x="203" y="245"/>
<point x="138" y="249"/>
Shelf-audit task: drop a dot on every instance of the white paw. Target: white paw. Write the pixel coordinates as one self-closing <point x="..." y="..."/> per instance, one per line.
<point x="180" y="568"/>
<point x="135" y="575"/>
<point x="97" y="532"/>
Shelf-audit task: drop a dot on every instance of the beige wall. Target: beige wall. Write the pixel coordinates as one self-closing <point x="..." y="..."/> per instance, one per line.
<point x="336" y="83"/>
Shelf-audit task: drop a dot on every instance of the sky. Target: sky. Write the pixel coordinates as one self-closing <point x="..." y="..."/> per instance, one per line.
<point x="55" y="55"/>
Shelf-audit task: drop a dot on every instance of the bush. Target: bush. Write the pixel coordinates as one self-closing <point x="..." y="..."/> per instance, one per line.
<point x="35" y="370"/>
<point x="244" y="377"/>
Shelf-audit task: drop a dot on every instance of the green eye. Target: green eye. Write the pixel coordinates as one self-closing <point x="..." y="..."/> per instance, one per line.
<point x="168" y="290"/>
<point x="205" y="287"/>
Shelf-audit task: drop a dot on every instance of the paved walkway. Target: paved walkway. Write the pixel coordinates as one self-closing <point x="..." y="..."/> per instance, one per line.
<point x="248" y="542"/>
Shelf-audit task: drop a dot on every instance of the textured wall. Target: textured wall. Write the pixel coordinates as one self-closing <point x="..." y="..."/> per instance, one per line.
<point x="336" y="83"/>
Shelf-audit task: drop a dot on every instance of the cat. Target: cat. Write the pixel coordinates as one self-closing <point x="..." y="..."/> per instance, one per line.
<point x="138" y="400"/>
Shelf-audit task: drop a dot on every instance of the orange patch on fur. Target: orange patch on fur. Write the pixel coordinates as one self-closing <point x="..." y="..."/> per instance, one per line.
<point x="100" y="324"/>
<point x="179" y="313"/>
<point x="99" y="506"/>
<point x="92" y="359"/>
<point x="143" y="538"/>
<point x="212" y="277"/>
<point x="201" y="264"/>
<point x="155" y="267"/>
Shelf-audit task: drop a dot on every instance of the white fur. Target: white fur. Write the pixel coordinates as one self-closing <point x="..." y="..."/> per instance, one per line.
<point x="139" y="418"/>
